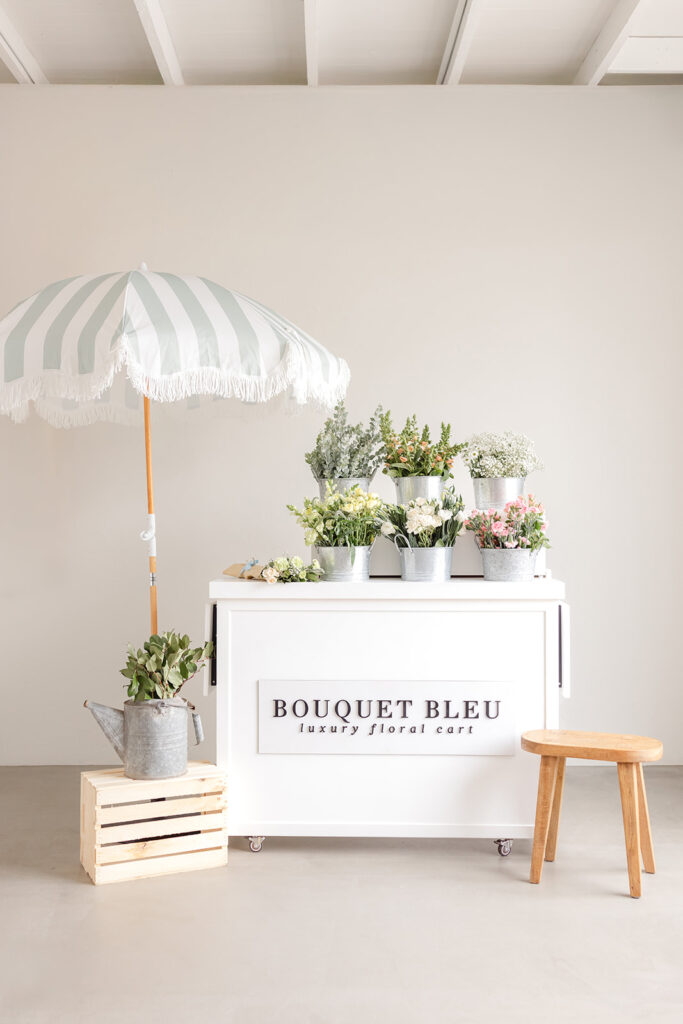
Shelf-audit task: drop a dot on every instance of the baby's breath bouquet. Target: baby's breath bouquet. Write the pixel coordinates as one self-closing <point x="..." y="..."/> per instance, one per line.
<point x="425" y="524"/>
<point x="500" y="455"/>
<point x="350" y="519"/>
<point x="345" y="451"/>
<point x="291" y="570"/>
<point x="412" y="451"/>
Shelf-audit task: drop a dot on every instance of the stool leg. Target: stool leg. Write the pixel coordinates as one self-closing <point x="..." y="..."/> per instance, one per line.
<point x="628" y="786"/>
<point x="646" y="847"/>
<point x="546" y="788"/>
<point x="551" y="844"/>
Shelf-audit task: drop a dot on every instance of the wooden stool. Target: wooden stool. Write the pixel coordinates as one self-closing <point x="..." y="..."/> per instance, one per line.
<point x="555" y="746"/>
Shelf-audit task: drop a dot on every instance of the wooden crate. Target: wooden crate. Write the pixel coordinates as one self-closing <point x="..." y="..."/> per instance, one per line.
<point x="138" y="828"/>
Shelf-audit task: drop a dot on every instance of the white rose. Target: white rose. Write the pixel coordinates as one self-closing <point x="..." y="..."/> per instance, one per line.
<point x="419" y="501"/>
<point x="270" y="574"/>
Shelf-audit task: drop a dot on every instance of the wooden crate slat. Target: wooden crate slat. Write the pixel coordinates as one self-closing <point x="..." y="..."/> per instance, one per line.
<point x="132" y="828"/>
<point x="127" y="871"/>
<point x="105" y="777"/>
<point x="121" y="813"/>
<point x="122" y="793"/>
<point x="153" y="848"/>
<point x="164" y="827"/>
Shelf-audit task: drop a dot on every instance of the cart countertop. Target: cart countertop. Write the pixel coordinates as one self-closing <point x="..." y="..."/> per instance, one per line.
<point x="383" y="589"/>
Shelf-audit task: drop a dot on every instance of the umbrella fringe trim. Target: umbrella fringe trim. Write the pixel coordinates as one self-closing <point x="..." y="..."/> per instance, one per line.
<point x="206" y="380"/>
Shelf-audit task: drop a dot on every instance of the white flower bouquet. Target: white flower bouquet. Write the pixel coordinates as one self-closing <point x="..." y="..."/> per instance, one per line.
<point x="350" y="519"/>
<point x="291" y="570"/>
<point x="345" y="451"/>
<point x="425" y="524"/>
<point x="500" y="455"/>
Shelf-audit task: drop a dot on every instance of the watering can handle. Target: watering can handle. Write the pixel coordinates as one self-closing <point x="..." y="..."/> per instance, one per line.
<point x="198" y="731"/>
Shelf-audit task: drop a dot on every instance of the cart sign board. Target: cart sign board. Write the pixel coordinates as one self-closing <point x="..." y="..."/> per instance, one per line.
<point x="387" y="717"/>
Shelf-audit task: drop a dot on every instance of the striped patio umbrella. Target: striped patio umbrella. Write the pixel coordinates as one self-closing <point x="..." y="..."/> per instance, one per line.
<point x="85" y="349"/>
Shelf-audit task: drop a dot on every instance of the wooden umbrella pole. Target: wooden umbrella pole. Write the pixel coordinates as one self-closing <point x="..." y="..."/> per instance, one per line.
<point x="149" y="534"/>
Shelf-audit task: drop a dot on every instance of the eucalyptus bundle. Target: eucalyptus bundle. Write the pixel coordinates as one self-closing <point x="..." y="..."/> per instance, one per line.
<point x="163" y="665"/>
<point x="342" y="450"/>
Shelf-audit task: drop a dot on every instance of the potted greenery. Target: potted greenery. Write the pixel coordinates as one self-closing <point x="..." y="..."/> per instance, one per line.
<point x="150" y="734"/>
<point x="510" y="540"/>
<point x="342" y="528"/>
<point x="346" y="455"/>
<point x="499" y="464"/>
<point x="424" y="533"/>
<point x="418" y="466"/>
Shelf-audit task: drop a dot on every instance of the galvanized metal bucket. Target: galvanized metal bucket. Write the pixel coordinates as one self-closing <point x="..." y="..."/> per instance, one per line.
<point x="155" y="738"/>
<point x="508" y="565"/>
<point x="496" y="491"/>
<point x="344" y="564"/>
<point x="426" y="565"/>
<point x="342" y="483"/>
<point x="410" y="487"/>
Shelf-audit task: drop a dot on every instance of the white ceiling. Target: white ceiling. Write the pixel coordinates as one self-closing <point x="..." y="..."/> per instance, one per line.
<point x="341" y="42"/>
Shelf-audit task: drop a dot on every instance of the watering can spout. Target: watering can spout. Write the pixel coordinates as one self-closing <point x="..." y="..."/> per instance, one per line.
<point x="110" y="721"/>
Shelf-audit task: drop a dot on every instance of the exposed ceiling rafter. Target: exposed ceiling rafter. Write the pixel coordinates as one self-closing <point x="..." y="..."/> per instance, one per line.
<point x="610" y="40"/>
<point x="160" y="42"/>
<point x="460" y="38"/>
<point x="311" y="34"/>
<point x="16" y="55"/>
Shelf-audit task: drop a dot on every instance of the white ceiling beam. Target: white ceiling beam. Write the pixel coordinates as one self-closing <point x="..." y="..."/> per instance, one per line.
<point x="311" y="35"/>
<point x="16" y="55"/>
<point x="160" y="42"/>
<point x="460" y="38"/>
<point x="650" y="55"/>
<point x="610" y="40"/>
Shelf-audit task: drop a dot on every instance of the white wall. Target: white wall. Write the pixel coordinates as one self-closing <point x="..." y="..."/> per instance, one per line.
<point x="500" y="257"/>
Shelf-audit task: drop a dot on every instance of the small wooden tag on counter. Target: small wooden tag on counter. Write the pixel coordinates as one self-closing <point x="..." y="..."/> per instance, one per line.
<point x="237" y="570"/>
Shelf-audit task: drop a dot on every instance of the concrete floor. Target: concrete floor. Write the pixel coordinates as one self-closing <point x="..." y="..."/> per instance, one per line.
<point x="335" y="931"/>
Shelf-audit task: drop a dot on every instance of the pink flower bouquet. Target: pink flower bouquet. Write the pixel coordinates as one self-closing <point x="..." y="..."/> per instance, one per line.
<point x="520" y="525"/>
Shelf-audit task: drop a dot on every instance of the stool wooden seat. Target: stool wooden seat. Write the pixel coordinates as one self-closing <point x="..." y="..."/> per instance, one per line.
<point x="629" y="753"/>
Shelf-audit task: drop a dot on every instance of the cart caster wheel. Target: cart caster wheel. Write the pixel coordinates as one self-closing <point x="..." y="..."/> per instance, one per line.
<point x="256" y="843"/>
<point x="504" y="847"/>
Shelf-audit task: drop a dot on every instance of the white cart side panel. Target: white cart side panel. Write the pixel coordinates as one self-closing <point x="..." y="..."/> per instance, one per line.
<point x="350" y="794"/>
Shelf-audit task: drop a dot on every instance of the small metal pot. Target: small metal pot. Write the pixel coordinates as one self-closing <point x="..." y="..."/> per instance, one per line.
<point x="426" y="565"/>
<point x="496" y="491"/>
<point x="508" y="565"/>
<point x="410" y="487"/>
<point x="341" y="483"/>
<point x="344" y="564"/>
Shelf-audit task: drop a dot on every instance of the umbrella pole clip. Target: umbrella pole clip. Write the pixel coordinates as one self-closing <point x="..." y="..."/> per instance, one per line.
<point x="149" y="535"/>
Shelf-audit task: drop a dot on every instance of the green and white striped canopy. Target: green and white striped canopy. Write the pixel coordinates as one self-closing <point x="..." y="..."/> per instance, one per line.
<point x="175" y="337"/>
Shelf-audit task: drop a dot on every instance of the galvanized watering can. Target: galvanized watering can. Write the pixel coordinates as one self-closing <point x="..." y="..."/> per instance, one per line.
<point x="150" y="736"/>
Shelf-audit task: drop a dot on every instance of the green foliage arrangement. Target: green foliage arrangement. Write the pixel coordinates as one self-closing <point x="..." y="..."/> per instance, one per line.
<point x="163" y="665"/>
<point x="413" y="453"/>
<point x="351" y="519"/>
<point x="342" y="450"/>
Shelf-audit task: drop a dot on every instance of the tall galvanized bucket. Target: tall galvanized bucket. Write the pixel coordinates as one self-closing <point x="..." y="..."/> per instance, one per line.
<point x="341" y="484"/>
<point x="155" y="738"/>
<point x="410" y="487"/>
<point x="344" y="564"/>
<point x="426" y="565"/>
<point x="508" y="565"/>
<point x="496" y="491"/>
